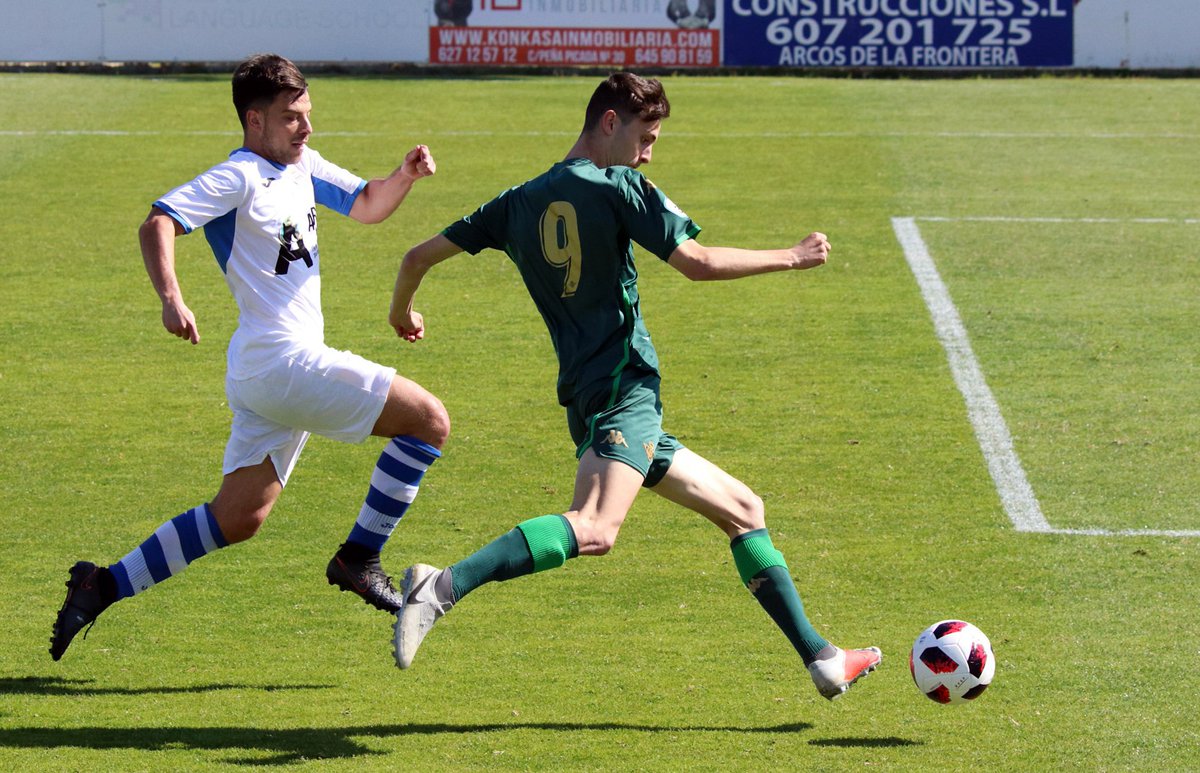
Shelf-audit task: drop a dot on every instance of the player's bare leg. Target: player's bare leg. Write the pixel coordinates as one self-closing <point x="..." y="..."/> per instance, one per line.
<point x="413" y="410"/>
<point x="604" y="491"/>
<point x="245" y="499"/>
<point x="702" y="487"/>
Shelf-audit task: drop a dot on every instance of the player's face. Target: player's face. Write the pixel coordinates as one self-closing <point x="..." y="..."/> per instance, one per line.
<point x="282" y="129"/>
<point x="632" y="142"/>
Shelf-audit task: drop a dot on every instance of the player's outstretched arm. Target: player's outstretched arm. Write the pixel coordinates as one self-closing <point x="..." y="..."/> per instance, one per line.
<point x="409" y="324"/>
<point x="381" y="196"/>
<point x="157" y="238"/>
<point x="700" y="263"/>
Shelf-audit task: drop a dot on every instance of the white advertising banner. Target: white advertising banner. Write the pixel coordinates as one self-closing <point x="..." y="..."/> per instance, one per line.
<point x="618" y="33"/>
<point x="215" y="30"/>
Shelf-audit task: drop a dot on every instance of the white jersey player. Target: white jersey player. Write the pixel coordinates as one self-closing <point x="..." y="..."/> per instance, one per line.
<point x="258" y="211"/>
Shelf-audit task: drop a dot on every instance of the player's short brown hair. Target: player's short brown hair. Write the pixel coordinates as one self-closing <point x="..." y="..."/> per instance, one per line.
<point x="631" y="96"/>
<point x="261" y="78"/>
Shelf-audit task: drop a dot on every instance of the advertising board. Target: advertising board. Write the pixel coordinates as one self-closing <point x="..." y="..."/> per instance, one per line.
<point x="607" y="33"/>
<point x="899" y="33"/>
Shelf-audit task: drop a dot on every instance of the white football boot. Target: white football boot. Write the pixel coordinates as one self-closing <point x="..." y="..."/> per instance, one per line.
<point x="834" y="675"/>
<point x="420" y="608"/>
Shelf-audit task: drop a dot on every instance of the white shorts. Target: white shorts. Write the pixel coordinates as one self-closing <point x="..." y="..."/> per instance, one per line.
<point x="325" y="391"/>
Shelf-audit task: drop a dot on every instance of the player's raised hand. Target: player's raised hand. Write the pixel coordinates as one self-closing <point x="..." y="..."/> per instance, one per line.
<point x="419" y="163"/>
<point x="178" y="319"/>
<point x="812" y="251"/>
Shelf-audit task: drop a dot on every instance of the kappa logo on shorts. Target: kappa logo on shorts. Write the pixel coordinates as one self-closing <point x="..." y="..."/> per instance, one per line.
<point x="649" y="448"/>
<point x="615" y="438"/>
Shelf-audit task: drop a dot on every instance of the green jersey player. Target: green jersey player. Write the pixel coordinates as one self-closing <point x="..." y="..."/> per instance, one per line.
<point x="570" y="232"/>
<point x="591" y="310"/>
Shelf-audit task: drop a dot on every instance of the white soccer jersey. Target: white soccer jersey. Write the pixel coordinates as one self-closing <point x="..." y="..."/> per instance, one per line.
<point x="260" y="219"/>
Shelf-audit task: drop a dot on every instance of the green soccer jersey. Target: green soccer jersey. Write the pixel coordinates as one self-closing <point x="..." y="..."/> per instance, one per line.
<point x="570" y="232"/>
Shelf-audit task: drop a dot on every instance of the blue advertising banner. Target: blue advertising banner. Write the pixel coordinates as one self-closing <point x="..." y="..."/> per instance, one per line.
<point x="899" y="33"/>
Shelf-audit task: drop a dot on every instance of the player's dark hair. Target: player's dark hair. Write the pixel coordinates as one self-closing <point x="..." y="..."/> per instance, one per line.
<point x="261" y="78"/>
<point x="631" y="96"/>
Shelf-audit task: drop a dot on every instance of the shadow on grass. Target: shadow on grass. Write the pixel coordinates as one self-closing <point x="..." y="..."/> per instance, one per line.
<point x="51" y="685"/>
<point x="282" y="747"/>
<point x="865" y="743"/>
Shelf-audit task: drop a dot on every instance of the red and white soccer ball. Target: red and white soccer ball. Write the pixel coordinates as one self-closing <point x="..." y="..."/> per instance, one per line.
<point x="952" y="662"/>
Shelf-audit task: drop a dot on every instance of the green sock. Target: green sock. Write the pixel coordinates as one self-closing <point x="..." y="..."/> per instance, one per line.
<point x="765" y="574"/>
<point x="535" y="545"/>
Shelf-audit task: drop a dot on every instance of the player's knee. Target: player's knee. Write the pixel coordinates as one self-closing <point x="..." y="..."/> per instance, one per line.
<point x="412" y="411"/>
<point x="432" y="422"/>
<point x="751" y="513"/>
<point x="603" y="543"/>
<point x="439" y="423"/>
<point x="594" y="538"/>
<point x="758" y="511"/>
<point x="239" y="525"/>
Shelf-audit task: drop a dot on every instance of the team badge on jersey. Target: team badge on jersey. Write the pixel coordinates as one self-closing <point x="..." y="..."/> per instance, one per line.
<point x="670" y="205"/>
<point x="291" y="248"/>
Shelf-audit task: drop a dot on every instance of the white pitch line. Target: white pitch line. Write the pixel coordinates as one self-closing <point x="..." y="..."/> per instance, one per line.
<point x="1127" y="532"/>
<point x="153" y="133"/>
<point x="1016" y="495"/>
<point x="1083" y="220"/>
<point x="702" y="135"/>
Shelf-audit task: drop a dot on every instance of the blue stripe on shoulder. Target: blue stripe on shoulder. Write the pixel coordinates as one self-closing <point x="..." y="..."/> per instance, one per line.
<point x="338" y="199"/>
<point x="178" y="218"/>
<point x="219" y="233"/>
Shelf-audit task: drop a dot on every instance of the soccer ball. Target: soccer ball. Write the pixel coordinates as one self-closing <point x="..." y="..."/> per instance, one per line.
<point x="952" y="661"/>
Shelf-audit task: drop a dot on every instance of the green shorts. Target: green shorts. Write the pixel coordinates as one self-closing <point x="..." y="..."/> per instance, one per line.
<point x="624" y="423"/>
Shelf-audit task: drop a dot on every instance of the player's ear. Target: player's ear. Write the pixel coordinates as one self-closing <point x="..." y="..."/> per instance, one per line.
<point x="609" y="122"/>
<point x="254" y="119"/>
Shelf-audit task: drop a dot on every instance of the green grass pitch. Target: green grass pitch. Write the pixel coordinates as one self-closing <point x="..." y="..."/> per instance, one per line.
<point x="1061" y="214"/>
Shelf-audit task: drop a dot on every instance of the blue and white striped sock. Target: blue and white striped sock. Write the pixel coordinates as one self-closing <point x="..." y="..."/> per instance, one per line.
<point x="168" y="551"/>
<point x="394" y="485"/>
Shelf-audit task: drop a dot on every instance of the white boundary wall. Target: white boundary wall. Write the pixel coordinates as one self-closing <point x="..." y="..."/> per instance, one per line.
<point x="214" y="30"/>
<point x="1137" y="34"/>
<point x="1134" y="34"/>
